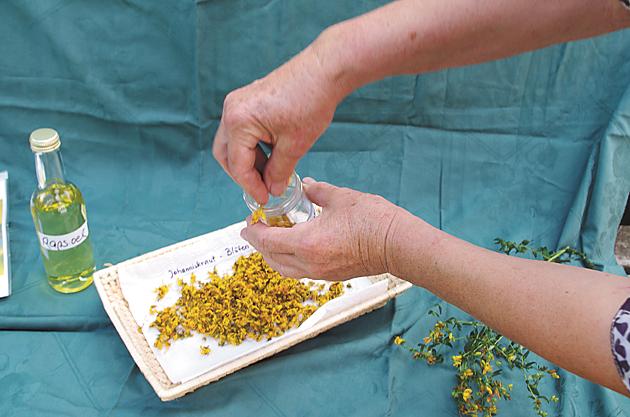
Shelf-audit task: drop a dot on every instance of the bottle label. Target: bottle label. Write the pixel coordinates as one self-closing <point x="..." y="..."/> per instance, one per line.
<point x="64" y="242"/>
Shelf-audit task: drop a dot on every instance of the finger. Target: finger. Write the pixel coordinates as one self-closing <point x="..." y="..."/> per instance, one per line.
<point x="240" y="162"/>
<point x="280" y="167"/>
<point x="286" y="265"/>
<point x="271" y="239"/>
<point x="320" y="193"/>
<point x="219" y="147"/>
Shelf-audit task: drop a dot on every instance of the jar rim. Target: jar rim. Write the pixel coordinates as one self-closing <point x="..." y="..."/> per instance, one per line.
<point x="285" y="202"/>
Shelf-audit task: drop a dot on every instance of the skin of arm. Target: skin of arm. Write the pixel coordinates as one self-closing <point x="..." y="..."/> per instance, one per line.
<point x="563" y="313"/>
<point x="293" y="105"/>
<point x="415" y="36"/>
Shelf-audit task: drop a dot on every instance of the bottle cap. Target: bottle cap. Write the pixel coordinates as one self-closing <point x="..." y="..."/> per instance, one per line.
<point x="44" y="140"/>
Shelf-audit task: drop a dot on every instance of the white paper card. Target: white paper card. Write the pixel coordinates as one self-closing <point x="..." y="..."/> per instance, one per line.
<point x="182" y="361"/>
<point x="64" y="242"/>
<point x="5" y="265"/>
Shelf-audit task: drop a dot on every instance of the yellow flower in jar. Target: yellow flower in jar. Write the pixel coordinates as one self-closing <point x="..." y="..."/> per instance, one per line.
<point x="259" y="215"/>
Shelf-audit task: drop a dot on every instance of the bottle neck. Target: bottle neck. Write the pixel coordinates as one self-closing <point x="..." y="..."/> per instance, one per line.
<point x="49" y="168"/>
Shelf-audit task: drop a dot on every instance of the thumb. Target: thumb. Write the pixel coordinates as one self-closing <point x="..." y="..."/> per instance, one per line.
<point x="320" y="193"/>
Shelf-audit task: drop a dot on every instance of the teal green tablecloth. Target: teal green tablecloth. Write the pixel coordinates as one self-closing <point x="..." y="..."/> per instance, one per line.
<point x="536" y="146"/>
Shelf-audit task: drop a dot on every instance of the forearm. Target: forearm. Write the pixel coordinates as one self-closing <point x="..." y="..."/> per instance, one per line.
<point x="563" y="313"/>
<point x="413" y="36"/>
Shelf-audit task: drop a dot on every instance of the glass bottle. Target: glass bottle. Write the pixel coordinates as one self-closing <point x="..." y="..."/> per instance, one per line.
<point x="60" y="218"/>
<point x="286" y="210"/>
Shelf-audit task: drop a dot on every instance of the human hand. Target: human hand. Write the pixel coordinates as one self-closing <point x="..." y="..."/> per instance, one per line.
<point x="347" y="240"/>
<point x="288" y="109"/>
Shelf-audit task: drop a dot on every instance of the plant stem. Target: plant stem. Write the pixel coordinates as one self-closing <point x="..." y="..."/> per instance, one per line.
<point x="494" y="345"/>
<point x="558" y="254"/>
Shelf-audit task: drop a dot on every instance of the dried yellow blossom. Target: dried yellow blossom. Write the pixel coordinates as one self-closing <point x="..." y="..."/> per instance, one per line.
<point x="204" y="350"/>
<point x="161" y="291"/>
<point x="279" y="221"/>
<point x="259" y="215"/>
<point x="399" y="340"/>
<point x="282" y="220"/>
<point x="254" y="302"/>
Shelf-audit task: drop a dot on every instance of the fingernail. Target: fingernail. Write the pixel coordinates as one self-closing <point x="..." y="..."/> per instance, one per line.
<point x="308" y="180"/>
<point x="263" y="201"/>
<point x="277" y="188"/>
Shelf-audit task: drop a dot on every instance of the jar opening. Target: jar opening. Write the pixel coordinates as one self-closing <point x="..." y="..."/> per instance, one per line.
<point x="279" y="205"/>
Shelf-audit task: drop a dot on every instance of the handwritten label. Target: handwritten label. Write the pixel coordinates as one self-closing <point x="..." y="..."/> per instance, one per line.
<point x="64" y="242"/>
<point x="189" y="268"/>
<point x="210" y="261"/>
<point x="233" y="250"/>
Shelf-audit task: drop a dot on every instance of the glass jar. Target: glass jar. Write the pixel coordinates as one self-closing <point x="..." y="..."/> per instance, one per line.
<point x="288" y="209"/>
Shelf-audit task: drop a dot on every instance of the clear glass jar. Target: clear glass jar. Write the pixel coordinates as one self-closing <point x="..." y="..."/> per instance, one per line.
<point x="286" y="210"/>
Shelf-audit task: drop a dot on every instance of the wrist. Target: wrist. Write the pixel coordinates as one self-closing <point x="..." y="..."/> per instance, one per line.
<point x="408" y="247"/>
<point x="393" y="244"/>
<point x="378" y="218"/>
<point x="332" y="53"/>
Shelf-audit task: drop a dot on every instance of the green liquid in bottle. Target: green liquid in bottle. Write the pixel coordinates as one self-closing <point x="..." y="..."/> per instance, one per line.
<point x="60" y="220"/>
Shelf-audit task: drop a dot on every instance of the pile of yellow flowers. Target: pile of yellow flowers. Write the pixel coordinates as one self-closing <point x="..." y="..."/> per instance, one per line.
<point x="254" y="301"/>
